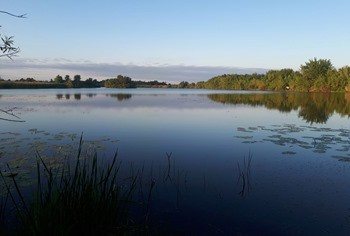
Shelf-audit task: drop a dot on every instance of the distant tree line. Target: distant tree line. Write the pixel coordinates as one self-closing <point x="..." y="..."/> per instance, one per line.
<point x="57" y="82"/>
<point x="77" y="82"/>
<point x="152" y="84"/>
<point x="126" y="82"/>
<point x="316" y="75"/>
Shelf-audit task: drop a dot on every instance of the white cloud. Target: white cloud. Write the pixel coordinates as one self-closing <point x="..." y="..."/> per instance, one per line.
<point x="45" y="69"/>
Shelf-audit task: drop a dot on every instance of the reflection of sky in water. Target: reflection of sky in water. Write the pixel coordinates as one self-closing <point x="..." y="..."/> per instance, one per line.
<point x="301" y="193"/>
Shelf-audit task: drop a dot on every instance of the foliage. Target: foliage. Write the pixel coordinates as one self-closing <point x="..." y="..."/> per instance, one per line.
<point x="77" y="82"/>
<point x="316" y="75"/>
<point x="120" y="82"/>
<point x="151" y="84"/>
<point x="7" y="47"/>
<point x="183" y="84"/>
<point x="58" y="79"/>
<point x="29" y="85"/>
<point x="315" y="68"/>
<point x="57" y="82"/>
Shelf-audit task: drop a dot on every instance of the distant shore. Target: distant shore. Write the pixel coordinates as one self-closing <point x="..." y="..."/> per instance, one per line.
<point x="317" y="75"/>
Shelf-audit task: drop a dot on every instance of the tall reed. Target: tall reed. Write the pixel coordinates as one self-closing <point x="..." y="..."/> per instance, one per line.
<point x="80" y="197"/>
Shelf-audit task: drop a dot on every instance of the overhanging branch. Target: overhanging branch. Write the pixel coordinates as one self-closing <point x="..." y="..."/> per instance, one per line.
<point x="14" y="15"/>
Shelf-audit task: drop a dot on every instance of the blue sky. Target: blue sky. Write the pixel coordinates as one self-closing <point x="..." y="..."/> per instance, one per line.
<point x="190" y="33"/>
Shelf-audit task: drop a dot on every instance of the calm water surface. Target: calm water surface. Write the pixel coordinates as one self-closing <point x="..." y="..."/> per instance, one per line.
<point x="298" y="181"/>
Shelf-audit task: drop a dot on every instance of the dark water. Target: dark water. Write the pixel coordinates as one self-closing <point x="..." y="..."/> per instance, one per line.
<point x="296" y="183"/>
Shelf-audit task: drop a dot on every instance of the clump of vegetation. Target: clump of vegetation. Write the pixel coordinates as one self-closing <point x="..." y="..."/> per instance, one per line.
<point x="57" y="82"/>
<point x="77" y="82"/>
<point x="316" y="75"/>
<point x="83" y="197"/>
<point x="120" y="82"/>
<point x="152" y="84"/>
<point x="29" y="85"/>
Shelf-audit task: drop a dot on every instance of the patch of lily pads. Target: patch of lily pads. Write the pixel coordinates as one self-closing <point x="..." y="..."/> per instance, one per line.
<point x="18" y="151"/>
<point x="317" y="139"/>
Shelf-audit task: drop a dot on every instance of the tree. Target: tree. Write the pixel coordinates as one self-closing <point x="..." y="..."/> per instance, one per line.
<point x="314" y="69"/>
<point x="183" y="84"/>
<point x="120" y="82"/>
<point x="58" y="79"/>
<point x="316" y="75"/>
<point x="76" y="80"/>
<point x="344" y="76"/>
<point x="68" y="81"/>
<point x="66" y="78"/>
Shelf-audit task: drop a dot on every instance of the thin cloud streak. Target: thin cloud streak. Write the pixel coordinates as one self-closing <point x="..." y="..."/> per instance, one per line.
<point x="46" y="69"/>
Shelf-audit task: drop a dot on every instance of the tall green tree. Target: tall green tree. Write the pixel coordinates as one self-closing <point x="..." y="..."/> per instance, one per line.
<point x="76" y="81"/>
<point x="58" y="79"/>
<point x="316" y="70"/>
<point x="120" y="82"/>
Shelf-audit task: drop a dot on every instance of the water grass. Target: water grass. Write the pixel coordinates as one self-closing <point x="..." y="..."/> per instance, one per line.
<point x="3" y="204"/>
<point x="244" y="176"/>
<point x="82" y="196"/>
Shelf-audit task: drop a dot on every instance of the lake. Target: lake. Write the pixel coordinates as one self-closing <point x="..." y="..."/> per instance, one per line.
<point x="240" y="161"/>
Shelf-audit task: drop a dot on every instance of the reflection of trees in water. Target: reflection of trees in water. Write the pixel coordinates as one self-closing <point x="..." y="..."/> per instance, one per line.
<point x="77" y="96"/>
<point x="67" y="96"/>
<point x="91" y="95"/>
<point x="120" y="96"/>
<point x="313" y="107"/>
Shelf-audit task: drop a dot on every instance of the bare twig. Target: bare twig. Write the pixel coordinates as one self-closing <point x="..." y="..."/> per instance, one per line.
<point x="12" y="120"/>
<point x="14" y="15"/>
<point x="7" y="112"/>
<point x="11" y="54"/>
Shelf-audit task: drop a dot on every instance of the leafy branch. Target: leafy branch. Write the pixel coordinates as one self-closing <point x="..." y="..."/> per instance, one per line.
<point x="7" y="47"/>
